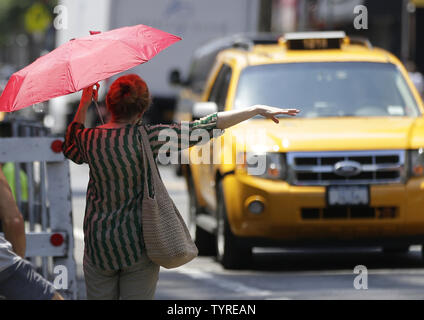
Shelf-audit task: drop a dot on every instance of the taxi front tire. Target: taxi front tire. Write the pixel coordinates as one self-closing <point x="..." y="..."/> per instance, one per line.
<point x="204" y="240"/>
<point x="231" y="252"/>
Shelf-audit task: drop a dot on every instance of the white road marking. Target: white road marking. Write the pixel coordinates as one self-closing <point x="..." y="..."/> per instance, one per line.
<point x="226" y="284"/>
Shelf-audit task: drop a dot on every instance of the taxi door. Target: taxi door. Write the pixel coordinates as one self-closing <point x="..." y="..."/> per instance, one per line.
<point x="217" y="94"/>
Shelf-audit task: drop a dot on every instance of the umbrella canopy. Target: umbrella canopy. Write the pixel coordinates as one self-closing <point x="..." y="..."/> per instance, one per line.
<point x="82" y="62"/>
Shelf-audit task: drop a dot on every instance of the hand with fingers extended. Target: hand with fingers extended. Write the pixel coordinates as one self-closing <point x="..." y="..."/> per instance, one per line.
<point x="272" y="112"/>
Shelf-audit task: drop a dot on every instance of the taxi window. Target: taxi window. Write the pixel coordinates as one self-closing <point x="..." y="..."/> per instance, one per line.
<point x="199" y="71"/>
<point x="328" y="89"/>
<point x="220" y="87"/>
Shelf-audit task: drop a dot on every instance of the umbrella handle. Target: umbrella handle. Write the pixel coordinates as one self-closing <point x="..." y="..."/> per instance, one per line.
<point x="98" y="111"/>
<point x="95" y="102"/>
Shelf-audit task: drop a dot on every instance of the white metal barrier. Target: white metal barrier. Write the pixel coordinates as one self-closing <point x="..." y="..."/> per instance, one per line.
<point x="48" y="207"/>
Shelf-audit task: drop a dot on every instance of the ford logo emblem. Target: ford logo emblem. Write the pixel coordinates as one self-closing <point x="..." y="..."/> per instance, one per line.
<point x="347" y="168"/>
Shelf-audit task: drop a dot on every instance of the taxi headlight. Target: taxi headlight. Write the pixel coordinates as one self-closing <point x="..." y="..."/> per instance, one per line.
<point x="269" y="165"/>
<point x="416" y="162"/>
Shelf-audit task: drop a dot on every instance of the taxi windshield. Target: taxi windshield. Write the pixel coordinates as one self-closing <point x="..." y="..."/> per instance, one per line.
<point x="328" y="89"/>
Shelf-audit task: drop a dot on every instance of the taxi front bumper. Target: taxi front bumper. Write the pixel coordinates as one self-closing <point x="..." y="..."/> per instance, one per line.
<point x="300" y="213"/>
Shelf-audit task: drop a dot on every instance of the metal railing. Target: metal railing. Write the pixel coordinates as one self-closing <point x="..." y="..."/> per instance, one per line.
<point x="43" y="195"/>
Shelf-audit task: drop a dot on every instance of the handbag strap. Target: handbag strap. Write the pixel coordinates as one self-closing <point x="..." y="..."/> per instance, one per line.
<point x="156" y="178"/>
<point x="159" y="186"/>
<point x="145" y="163"/>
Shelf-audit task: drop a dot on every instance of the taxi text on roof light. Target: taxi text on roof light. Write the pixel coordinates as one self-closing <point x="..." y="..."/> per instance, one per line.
<point x="313" y="40"/>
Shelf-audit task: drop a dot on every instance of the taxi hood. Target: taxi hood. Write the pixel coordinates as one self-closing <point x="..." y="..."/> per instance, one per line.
<point x="332" y="134"/>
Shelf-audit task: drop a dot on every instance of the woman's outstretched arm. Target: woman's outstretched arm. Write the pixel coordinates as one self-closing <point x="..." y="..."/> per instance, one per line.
<point x="217" y="120"/>
<point x="228" y="119"/>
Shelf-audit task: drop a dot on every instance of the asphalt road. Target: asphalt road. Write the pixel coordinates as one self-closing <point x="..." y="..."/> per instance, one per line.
<point x="275" y="273"/>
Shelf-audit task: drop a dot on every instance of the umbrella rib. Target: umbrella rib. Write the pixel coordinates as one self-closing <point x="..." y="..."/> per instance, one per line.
<point x="134" y="51"/>
<point x="69" y="67"/>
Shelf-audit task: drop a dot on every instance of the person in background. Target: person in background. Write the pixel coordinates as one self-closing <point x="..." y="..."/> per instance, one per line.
<point x="18" y="280"/>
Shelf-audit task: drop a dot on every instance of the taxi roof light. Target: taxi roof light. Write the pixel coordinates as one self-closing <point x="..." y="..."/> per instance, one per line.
<point x="315" y="35"/>
<point x="314" y="40"/>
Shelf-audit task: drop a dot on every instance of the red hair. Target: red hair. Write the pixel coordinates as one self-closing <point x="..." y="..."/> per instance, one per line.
<point x="128" y="96"/>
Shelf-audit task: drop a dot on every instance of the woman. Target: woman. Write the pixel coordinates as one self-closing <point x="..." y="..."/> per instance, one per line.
<point x="115" y="262"/>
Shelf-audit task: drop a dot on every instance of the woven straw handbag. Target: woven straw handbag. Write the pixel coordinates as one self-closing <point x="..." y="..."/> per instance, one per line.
<point x="167" y="240"/>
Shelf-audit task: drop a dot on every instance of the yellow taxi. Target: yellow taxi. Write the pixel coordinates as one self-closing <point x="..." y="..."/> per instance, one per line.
<point x="348" y="170"/>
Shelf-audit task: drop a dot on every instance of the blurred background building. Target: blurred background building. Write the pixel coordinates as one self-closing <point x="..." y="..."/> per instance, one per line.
<point x="27" y="31"/>
<point x="395" y="25"/>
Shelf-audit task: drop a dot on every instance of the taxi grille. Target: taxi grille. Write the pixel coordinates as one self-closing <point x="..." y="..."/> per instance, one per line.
<point x="318" y="168"/>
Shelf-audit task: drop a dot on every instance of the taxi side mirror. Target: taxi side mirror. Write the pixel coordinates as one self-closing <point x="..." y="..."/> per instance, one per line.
<point x="175" y="78"/>
<point x="202" y="109"/>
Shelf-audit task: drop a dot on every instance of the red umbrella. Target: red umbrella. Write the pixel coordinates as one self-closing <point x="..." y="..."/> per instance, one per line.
<point x="82" y="62"/>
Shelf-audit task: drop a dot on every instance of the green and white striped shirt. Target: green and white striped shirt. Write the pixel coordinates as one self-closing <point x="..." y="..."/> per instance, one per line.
<point x="112" y="222"/>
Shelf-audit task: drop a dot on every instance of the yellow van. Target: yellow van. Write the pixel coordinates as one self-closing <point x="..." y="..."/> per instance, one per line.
<point x="348" y="170"/>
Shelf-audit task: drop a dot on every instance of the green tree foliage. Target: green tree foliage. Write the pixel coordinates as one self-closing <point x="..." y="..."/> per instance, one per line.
<point x="12" y="16"/>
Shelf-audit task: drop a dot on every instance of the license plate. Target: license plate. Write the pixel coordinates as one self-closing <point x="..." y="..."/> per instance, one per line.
<point x="347" y="195"/>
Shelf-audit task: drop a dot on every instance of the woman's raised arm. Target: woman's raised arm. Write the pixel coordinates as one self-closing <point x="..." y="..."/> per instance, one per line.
<point x="88" y="94"/>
